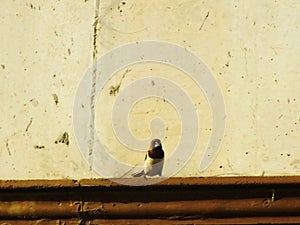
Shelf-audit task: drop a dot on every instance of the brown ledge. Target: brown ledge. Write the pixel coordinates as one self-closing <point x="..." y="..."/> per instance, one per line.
<point x="240" y="200"/>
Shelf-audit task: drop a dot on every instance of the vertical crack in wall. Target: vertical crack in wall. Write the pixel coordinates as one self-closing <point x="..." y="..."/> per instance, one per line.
<point x="93" y="86"/>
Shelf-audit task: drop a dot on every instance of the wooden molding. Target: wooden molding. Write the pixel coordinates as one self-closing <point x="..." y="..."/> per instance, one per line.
<point x="239" y="200"/>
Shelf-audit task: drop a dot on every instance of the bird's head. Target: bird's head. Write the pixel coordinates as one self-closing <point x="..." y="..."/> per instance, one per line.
<point x="155" y="143"/>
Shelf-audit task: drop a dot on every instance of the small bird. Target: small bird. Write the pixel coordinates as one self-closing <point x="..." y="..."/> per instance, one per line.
<point x="154" y="160"/>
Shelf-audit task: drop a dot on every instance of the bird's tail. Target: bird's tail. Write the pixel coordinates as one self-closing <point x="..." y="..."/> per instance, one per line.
<point x="139" y="174"/>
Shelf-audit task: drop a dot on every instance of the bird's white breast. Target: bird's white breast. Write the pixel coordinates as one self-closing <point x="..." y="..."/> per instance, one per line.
<point x="152" y="166"/>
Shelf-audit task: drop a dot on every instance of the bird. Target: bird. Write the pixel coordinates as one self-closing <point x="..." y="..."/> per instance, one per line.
<point x="154" y="160"/>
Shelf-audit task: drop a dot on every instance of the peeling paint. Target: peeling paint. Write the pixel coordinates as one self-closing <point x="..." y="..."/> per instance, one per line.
<point x="55" y="98"/>
<point x="39" y="146"/>
<point x="64" y="138"/>
<point x="113" y="90"/>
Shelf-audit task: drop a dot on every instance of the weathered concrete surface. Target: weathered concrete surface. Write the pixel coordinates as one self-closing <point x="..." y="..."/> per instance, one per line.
<point x="251" y="48"/>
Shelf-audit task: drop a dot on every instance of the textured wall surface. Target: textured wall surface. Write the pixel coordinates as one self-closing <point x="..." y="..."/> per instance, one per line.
<point x="249" y="46"/>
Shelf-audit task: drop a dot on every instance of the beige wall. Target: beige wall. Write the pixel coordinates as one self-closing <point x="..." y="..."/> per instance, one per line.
<point x="250" y="47"/>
